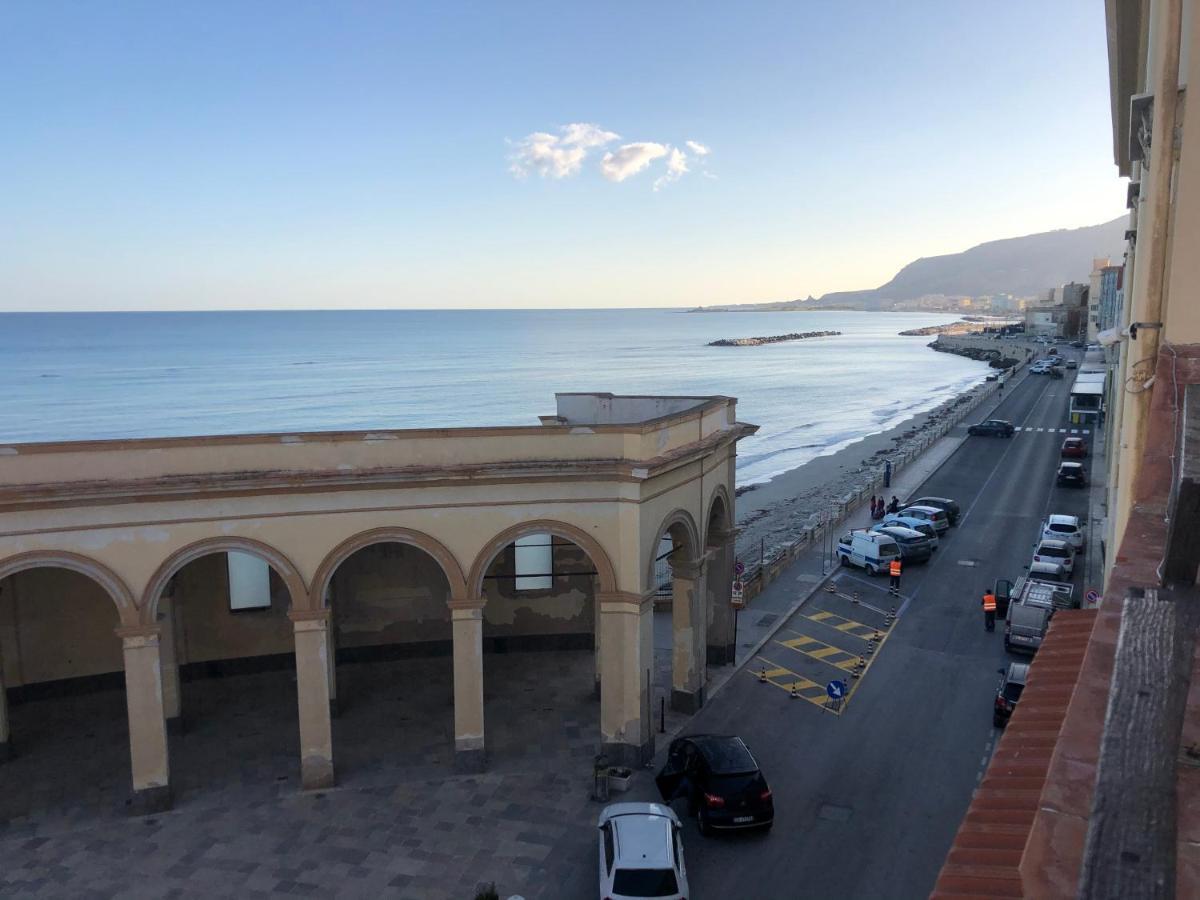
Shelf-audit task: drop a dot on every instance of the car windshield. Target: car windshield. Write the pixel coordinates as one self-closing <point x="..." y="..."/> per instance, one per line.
<point x="645" y="882"/>
<point x="1012" y="691"/>
<point x="889" y="549"/>
<point x="1065" y="529"/>
<point x="1056" y="552"/>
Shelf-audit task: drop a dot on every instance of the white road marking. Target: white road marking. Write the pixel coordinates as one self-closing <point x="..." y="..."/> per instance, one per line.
<point x="1086" y="431"/>
<point x="1074" y="431"/>
<point x="1041" y="430"/>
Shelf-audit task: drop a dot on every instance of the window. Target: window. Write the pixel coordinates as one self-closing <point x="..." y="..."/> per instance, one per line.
<point x="534" y="564"/>
<point x="645" y="883"/>
<point x="249" y="582"/>
<point x="608" y="846"/>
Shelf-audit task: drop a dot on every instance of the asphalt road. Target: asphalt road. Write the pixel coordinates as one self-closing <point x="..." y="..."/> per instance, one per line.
<point x="868" y="801"/>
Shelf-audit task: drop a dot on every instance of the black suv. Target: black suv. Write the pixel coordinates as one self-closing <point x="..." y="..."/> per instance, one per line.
<point x="1072" y="474"/>
<point x="1011" y="685"/>
<point x="994" y="427"/>
<point x="720" y="780"/>
<point x="945" y="504"/>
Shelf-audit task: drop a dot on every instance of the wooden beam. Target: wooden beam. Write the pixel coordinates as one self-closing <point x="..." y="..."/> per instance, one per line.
<point x="1130" y="849"/>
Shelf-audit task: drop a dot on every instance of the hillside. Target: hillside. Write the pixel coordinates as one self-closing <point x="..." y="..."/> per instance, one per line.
<point x="1021" y="266"/>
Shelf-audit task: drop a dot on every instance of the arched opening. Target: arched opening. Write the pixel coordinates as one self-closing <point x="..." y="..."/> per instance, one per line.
<point x="677" y="577"/>
<point x="539" y="587"/>
<point x="64" y="721"/>
<point x="392" y="635"/>
<point x="229" y="666"/>
<point x="719" y="577"/>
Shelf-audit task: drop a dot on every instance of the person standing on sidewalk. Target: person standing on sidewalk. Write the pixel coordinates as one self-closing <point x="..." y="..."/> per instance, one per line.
<point x="989" y="611"/>
<point x="894" y="571"/>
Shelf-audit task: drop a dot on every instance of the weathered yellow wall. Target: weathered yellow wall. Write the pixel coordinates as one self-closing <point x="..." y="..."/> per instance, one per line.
<point x="56" y="624"/>
<point x="390" y="594"/>
<point x="566" y="608"/>
<point x="205" y="628"/>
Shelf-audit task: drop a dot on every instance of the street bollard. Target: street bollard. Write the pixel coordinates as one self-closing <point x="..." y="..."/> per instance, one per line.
<point x="762" y="675"/>
<point x="794" y="693"/>
<point x="854" y="598"/>
<point x="600" y="778"/>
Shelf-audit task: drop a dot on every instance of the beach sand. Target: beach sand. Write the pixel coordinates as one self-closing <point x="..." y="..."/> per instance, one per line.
<point x="773" y="514"/>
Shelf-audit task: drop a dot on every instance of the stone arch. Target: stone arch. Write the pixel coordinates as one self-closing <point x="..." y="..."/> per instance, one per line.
<point x="596" y="553"/>
<point x="283" y="567"/>
<point x="676" y="521"/>
<point x="112" y="583"/>
<point x="388" y="535"/>
<point x="720" y="513"/>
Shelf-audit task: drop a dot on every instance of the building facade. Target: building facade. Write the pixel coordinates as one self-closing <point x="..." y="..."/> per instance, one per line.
<point x="144" y="559"/>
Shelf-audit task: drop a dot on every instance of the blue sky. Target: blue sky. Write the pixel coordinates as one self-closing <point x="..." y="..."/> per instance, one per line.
<point x="261" y="155"/>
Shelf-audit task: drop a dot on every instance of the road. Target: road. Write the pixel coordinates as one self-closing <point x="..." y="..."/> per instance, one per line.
<point x="868" y="801"/>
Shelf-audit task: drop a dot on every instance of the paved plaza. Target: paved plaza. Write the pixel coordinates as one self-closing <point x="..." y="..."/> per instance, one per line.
<point x="400" y="823"/>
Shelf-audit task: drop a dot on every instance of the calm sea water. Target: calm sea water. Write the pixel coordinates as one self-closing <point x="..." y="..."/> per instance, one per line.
<point x="72" y="376"/>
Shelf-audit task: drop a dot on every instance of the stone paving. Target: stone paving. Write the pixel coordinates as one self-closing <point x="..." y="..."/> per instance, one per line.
<point x="400" y="823"/>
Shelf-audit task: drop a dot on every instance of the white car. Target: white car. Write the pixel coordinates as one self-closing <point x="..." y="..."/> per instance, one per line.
<point x="1064" y="528"/>
<point x="641" y="852"/>
<point x="1053" y="558"/>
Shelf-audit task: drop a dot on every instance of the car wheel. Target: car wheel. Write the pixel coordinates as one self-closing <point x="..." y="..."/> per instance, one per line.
<point x="997" y="722"/>
<point x="843" y="560"/>
<point x="871" y="570"/>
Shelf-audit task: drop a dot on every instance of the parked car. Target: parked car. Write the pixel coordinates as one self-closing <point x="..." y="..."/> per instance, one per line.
<point x="868" y="549"/>
<point x="1074" y="448"/>
<point x="1078" y="344"/>
<point x="914" y="546"/>
<point x="1053" y="558"/>
<point x="720" y="779"/>
<point x="926" y="528"/>
<point x="1072" y="474"/>
<point x="945" y="504"/>
<point x="1054" y="372"/>
<point x="931" y="514"/>
<point x="641" y="852"/>
<point x="1048" y="595"/>
<point x="1026" y="628"/>
<point x="1071" y="364"/>
<point x="1064" y="528"/>
<point x="992" y="428"/>
<point x="1012" y="683"/>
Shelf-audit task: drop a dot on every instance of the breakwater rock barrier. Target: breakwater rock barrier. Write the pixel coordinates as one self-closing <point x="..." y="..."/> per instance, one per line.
<point x="771" y="339"/>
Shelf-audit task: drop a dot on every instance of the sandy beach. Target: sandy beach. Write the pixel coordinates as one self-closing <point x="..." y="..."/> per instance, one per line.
<point x="772" y="515"/>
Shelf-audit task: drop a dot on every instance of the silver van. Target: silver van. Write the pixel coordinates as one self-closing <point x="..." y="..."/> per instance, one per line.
<point x="1026" y="628"/>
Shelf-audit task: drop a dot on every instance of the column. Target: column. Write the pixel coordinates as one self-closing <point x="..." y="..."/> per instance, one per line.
<point x="311" y="628"/>
<point x="688" y="622"/>
<point x="718" y="583"/>
<point x="172" y="701"/>
<point x="6" y="750"/>
<point x="626" y="660"/>
<point x="467" y="623"/>
<point x="331" y="666"/>
<point x="147" y="721"/>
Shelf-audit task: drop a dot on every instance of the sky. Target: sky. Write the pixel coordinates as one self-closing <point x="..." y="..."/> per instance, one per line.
<point x="224" y="155"/>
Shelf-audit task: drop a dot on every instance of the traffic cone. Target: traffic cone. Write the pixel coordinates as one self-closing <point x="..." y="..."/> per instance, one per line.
<point x="762" y="675"/>
<point x="854" y="598"/>
<point x="794" y="693"/>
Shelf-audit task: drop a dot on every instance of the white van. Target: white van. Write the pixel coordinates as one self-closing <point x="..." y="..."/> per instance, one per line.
<point x="869" y="549"/>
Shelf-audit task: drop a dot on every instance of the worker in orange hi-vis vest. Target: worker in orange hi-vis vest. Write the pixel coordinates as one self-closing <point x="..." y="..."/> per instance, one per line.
<point x="894" y="571"/>
<point x="989" y="611"/>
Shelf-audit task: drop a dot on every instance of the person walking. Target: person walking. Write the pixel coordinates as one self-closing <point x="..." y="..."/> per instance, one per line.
<point x="894" y="571"/>
<point x="873" y="500"/>
<point x="989" y="611"/>
<point x="894" y="506"/>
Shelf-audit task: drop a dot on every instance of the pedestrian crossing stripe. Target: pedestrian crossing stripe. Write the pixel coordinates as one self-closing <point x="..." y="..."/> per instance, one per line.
<point x="1074" y="431"/>
<point x="1041" y="430"/>
<point x="1086" y="431"/>
<point x="819" y="650"/>
<point x="842" y="624"/>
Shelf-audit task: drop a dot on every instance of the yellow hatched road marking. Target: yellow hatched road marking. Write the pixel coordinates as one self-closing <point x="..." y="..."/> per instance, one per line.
<point x="844" y="625"/>
<point x="807" y="689"/>
<point x="821" y="651"/>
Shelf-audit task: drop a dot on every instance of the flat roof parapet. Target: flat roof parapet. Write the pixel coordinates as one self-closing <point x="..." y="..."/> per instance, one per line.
<point x="600" y="408"/>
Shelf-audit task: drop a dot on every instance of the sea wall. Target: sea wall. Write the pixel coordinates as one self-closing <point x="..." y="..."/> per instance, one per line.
<point x="1001" y="354"/>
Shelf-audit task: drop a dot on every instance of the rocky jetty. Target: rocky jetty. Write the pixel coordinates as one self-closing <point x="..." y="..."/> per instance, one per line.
<point x="994" y="358"/>
<point x="962" y="327"/>
<point x="772" y="339"/>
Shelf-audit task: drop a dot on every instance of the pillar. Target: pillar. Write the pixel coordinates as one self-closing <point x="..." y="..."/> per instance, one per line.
<point x="721" y="650"/>
<point x="626" y="661"/>
<point x="331" y="667"/>
<point x="467" y="623"/>
<point x="147" y="721"/>
<point x="688" y="621"/>
<point x="5" y="730"/>
<point x="169" y="660"/>
<point x="311" y="629"/>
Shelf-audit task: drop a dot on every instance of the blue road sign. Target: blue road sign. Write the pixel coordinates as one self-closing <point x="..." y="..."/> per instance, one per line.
<point x="1092" y="596"/>
<point x="836" y="690"/>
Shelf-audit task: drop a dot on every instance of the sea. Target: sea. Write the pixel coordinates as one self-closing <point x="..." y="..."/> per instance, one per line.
<point x="82" y="376"/>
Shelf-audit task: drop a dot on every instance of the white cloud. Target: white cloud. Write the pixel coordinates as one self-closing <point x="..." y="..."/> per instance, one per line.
<point x="698" y="148"/>
<point x="557" y="155"/>
<point x="677" y="167"/>
<point x="629" y="159"/>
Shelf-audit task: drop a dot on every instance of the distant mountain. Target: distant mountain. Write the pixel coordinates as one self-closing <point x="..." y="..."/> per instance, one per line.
<point x="1021" y="266"/>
